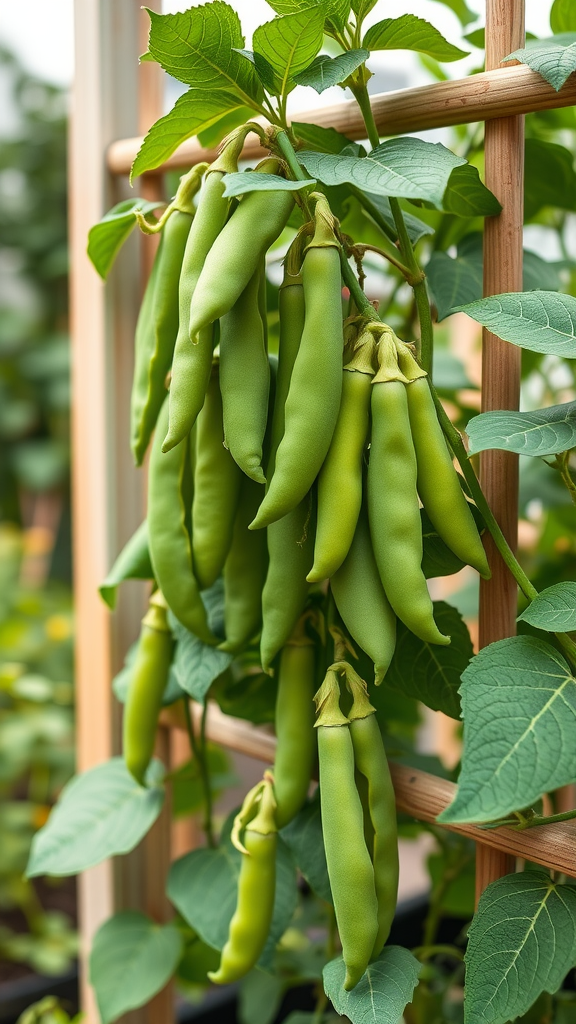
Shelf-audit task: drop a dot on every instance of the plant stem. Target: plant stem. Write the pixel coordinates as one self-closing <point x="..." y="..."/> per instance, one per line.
<point x="562" y="464"/>
<point x="198" y="750"/>
<point x="365" y="247"/>
<point x="549" y="819"/>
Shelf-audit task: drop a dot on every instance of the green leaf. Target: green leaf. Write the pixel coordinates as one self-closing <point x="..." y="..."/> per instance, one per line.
<point x="303" y="836"/>
<point x="539" y="321"/>
<point x="336" y="11"/>
<point x="264" y="70"/>
<point x="363" y="7"/>
<point x="554" y="58"/>
<point x="133" y="563"/>
<point x="477" y="38"/>
<point x="199" y="47"/>
<point x="107" y="237"/>
<point x="467" y="196"/>
<point x="550" y="179"/>
<point x="203" y="886"/>
<point x="325" y="140"/>
<point x="325" y="71"/>
<point x="519" y="710"/>
<point x="543" y="432"/>
<point x="246" y="181"/>
<point x="563" y="16"/>
<point x="260" y="997"/>
<point x="522" y="941"/>
<point x="409" y="32"/>
<point x="462" y="12"/>
<point x="101" y="813"/>
<point x="196" y="665"/>
<point x="290" y="43"/>
<point x="131" y="959"/>
<point x="382" y="993"/>
<point x="416" y="228"/>
<point x="194" y="112"/>
<point x="404" y="167"/>
<point x="554" y="609"/>
<point x="427" y="672"/>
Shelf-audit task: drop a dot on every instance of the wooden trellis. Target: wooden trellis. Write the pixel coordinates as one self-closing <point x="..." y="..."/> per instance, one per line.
<point x="114" y="103"/>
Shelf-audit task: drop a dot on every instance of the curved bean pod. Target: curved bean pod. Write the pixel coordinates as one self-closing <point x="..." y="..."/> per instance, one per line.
<point x="244" y="573"/>
<point x="296" y="747"/>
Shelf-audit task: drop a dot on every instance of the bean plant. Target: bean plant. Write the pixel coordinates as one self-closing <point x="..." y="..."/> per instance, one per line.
<point x="311" y="465"/>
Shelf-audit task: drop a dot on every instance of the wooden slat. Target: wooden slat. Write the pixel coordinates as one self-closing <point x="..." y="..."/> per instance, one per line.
<point x="504" y="175"/>
<point x="418" y="793"/>
<point x="514" y="89"/>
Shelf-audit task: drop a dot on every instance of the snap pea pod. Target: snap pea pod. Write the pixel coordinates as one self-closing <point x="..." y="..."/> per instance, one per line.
<point x="371" y="762"/>
<point x="437" y="481"/>
<point x="244" y="573"/>
<point x="238" y="250"/>
<point x="394" y="511"/>
<point x="164" y="312"/>
<point x="144" y="342"/>
<point x="133" y="563"/>
<point x="340" y="479"/>
<point x="313" y="398"/>
<point x="170" y="549"/>
<point x="362" y="602"/>
<point x="252" y="917"/>
<point x="296" y="746"/>
<point x="245" y="379"/>
<point x="291" y="316"/>
<point x="291" y="550"/>
<point x="217" y="480"/>
<point x="148" y="680"/>
<point x="191" y="364"/>
<point x="347" y="857"/>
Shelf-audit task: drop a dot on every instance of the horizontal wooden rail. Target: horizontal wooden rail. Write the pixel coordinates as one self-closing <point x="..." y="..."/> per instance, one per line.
<point x="510" y="90"/>
<point x="419" y="794"/>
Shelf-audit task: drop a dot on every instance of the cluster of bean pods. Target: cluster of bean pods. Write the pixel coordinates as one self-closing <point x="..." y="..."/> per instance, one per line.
<point x="281" y="475"/>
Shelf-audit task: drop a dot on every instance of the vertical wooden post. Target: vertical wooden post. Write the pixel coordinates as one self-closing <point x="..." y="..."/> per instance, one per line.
<point x="504" y="141"/>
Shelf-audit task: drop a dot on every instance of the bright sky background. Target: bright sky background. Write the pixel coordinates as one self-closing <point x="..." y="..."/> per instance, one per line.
<point x="41" y="32"/>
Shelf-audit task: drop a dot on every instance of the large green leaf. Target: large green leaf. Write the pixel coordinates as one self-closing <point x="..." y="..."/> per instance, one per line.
<point x="522" y="941"/>
<point x="192" y="113"/>
<point x="554" y="609"/>
<point x="430" y="673"/>
<point x="303" y="836"/>
<point x="336" y="10"/>
<point x="101" y="813"/>
<point x="519" y="710"/>
<point x="290" y="43"/>
<point x="382" y="993"/>
<point x="198" y="46"/>
<point x="462" y="12"/>
<point x="404" y="167"/>
<point x="466" y="194"/>
<point x="539" y="321"/>
<point x="550" y="179"/>
<point x="131" y="959"/>
<point x="203" y="886"/>
<point x="554" y="58"/>
<point x="543" y="432"/>
<point x="196" y="665"/>
<point x="563" y="16"/>
<point x="409" y="32"/>
<point x="325" y="71"/>
<point x="107" y="237"/>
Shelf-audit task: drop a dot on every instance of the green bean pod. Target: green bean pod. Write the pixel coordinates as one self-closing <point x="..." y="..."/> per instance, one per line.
<point x="244" y="573"/>
<point x="245" y="380"/>
<point x="313" y="398"/>
<point x="133" y="563"/>
<point x="170" y="549"/>
<point x="296" y="746"/>
<point x="291" y="316"/>
<point x="438" y="484"/>
<point x="362" y="602"/>
<point x="371" y="761"/>
<point x="394" y="511"/>
<point x="250" y="924"/>
<point x="217" y="480"/>
<point x="347" y="857"/>
<point x="191" y="364"/>
<point x="340" y="480"/>
<point x="148" y="680"/>
<point x="238" y="250"/>
<point x="165" y="325"/>
<point x="144" y="343"/>
<point x="291" y="550"/>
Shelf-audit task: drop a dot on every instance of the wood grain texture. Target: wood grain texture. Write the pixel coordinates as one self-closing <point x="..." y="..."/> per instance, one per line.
<point x="514" y="89"/>
<point x="504" y="175"/>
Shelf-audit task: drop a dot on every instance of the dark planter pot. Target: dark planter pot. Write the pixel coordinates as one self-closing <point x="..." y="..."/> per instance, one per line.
<point x="220" y="1005"/>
